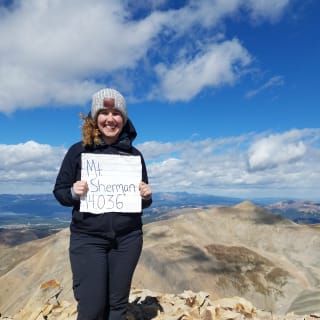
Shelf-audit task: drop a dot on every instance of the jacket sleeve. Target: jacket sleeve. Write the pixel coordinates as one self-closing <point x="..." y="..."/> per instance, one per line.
<point x="68" y="174"/>
<point x="147" y="201"/>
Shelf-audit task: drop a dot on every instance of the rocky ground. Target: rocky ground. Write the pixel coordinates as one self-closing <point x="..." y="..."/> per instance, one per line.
<point x="147" y="305"/>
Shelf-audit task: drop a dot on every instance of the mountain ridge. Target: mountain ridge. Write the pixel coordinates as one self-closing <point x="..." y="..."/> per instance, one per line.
<point x="242" y="250"/>
<point x="43" y="212"/>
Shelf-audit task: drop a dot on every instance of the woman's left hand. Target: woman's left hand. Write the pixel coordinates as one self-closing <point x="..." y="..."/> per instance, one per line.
<point x="145" y="190"/>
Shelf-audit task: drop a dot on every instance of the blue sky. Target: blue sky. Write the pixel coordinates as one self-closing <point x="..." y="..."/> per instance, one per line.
<point x="224" y="94"/>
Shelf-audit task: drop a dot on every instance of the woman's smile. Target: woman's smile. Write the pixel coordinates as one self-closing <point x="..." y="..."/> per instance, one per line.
<point x="110" y="124"/>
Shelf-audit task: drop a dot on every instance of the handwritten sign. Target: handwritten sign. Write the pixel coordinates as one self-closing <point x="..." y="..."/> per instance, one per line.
<point x="113" y="182"/>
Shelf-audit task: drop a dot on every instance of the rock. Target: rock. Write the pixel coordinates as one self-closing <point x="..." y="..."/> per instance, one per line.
<point x="145" y="304"/>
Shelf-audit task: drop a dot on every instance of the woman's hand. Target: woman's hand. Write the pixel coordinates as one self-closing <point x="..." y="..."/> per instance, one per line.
<point x="145" y="190"/>
<point x="80" y="188"/>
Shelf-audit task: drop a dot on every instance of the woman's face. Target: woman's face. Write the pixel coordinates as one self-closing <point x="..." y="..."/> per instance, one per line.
<point x="110" y="124"/>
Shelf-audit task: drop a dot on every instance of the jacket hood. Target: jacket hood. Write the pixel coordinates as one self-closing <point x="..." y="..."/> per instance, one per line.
<point x="128" y="133"/>
<point x="130" y="130"/>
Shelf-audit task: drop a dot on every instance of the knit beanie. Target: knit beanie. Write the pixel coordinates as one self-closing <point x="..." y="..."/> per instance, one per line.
<point x="119" y="102"/>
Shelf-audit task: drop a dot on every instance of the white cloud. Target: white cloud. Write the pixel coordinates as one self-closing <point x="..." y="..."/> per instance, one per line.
<point x="154" y="149"/>
<point x="285" y="164"/>
<point x="280" y="165"/>
<point x="55" y="51"/>
<point x="267" y="9"/>
<point x="272" y="82"/>
<point x="277" y="149"/>
<point x="29" y="167"/>
<point x="52" y="51"/>
<point x="217" y="66"/>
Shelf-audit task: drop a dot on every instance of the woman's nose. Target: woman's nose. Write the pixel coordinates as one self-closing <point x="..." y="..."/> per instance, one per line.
<point x="109" y="116"/>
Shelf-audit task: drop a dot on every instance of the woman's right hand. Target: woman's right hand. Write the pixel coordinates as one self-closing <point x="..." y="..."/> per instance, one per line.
<point x="80" y="188"/>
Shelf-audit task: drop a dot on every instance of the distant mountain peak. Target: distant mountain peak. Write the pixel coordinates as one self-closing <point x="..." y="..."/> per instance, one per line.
<point x="245" y="205"/>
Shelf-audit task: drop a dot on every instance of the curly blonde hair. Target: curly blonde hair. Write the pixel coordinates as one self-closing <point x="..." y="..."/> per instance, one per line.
<point x="90" y="131"/>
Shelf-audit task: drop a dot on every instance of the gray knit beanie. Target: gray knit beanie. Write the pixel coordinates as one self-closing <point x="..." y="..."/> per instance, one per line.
<point x="119" y="102"/>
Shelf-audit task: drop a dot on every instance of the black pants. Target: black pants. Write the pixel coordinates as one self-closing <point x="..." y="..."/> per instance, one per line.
<point x="102" y="273"/>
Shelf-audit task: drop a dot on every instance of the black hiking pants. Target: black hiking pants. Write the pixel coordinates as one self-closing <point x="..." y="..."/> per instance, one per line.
<point x="102" y="272"/>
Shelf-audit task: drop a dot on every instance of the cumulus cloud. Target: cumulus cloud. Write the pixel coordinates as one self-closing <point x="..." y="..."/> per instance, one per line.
<point x="53" y="51"/>
<point x="29" y="167"/>
<point x="252" y="165"/>
<point x="155" y="149"/>
<point x="267" y="9"/>
<point x="218" y="65"/>
<point x="58" y="52"/>
<point x="277" y="149"/>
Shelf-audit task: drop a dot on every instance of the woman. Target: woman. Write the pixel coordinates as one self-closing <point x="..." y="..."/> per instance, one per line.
<point x="104" y="248"/>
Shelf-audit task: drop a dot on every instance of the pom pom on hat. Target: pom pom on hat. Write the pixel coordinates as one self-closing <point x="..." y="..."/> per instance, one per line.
<point x="108" y="93"/>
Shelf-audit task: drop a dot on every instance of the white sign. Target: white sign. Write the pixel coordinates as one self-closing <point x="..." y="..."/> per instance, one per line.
<point x="113" y="182"/>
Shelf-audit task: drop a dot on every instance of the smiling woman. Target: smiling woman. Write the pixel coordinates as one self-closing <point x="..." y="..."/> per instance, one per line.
<point x="106" y="118"/>
<point x="106" y="236"/>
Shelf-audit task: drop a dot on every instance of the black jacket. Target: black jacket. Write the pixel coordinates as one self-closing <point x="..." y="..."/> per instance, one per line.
<point x="106" y="225"/>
